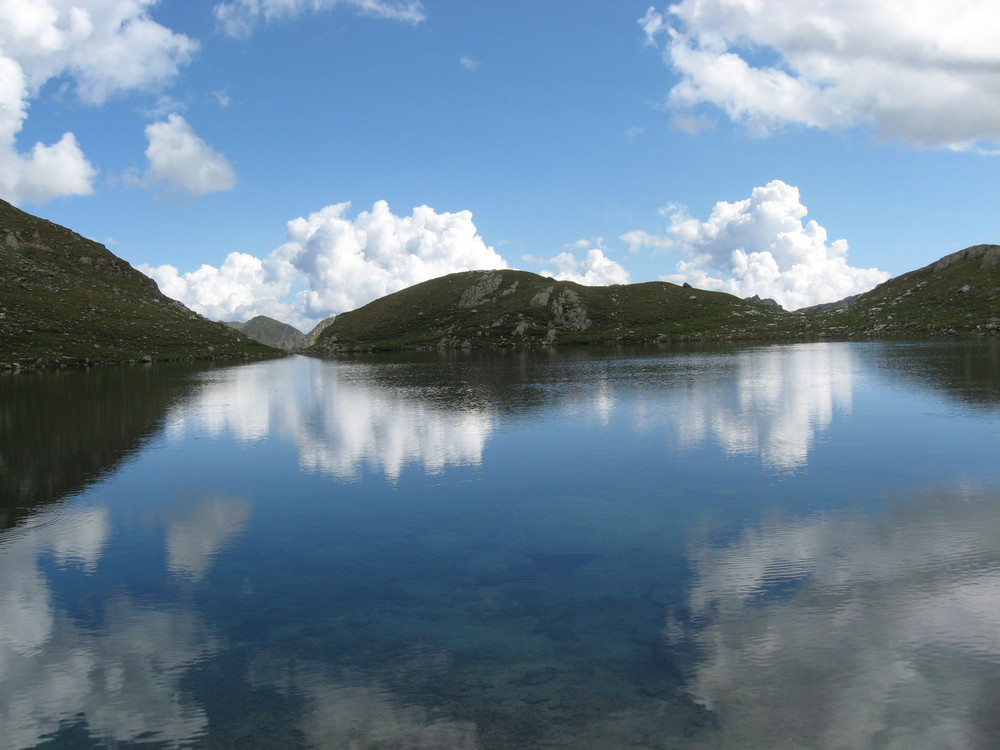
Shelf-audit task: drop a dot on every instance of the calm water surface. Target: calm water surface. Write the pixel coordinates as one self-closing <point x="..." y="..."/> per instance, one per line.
<point x="750" y="547"/>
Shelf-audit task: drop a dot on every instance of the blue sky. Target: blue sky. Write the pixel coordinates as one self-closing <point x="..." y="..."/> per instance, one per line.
<point x="604" y="142"/>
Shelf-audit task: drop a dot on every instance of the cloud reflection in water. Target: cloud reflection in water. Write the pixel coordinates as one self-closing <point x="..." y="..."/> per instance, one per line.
<point x="343" y="417"/>
<point x="198" y="532"/>
<point x="339" y="424"/>
<point x="853" y="631"/>
<point x="773" y="403"/>
<point x="121" y="674"/>
<point x="357" y="711"/>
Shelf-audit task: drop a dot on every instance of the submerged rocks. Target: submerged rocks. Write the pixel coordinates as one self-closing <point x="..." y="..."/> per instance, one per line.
<point x="538" y="676"/>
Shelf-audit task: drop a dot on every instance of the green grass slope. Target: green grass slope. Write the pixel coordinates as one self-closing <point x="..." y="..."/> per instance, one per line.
<point x="957" y="295"/>
<point x="65" y="299"/>
<point x="510" y="308"/>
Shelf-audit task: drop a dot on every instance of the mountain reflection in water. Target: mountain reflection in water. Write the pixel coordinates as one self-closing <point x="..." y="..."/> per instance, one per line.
<point x="63" y="430"/>
<point x="775" y="546"/>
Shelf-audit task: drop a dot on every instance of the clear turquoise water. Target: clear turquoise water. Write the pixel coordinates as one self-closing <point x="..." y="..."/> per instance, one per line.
<point x="772" y="547"/>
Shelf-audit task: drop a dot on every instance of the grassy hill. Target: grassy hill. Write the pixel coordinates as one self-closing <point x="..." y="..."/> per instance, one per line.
<point x="956" y="295"/>
<point x="504" y="308"/>
<point x="65" y="299"/>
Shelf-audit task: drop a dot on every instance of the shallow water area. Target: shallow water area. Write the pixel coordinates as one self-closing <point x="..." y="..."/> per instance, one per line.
<point x="792" y="546"/>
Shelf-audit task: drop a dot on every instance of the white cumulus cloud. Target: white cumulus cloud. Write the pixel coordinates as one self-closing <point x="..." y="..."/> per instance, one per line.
<point x="760" y="245"/>
<point x="593" y="269"/>
<point x="104" y="48"/>
<point x="182" y="162"/>
<point x="924" y="71"/>
<point x="344" y="263"/>
<point x="638" y="239"/>
<point x="238" y="17"/>
<point x="242" y="287"/>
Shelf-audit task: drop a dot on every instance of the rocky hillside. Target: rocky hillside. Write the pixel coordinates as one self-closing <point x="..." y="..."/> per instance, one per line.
<point x="504" y="308"/>
<point x="959" y="294"/>
<point x="65" y="299"/>
<point x="271" y="332"/>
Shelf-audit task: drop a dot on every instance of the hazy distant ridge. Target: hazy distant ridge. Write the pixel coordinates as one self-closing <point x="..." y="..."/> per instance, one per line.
<point x="271" y="332"/>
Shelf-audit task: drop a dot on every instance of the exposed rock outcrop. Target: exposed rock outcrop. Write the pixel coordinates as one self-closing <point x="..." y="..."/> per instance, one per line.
<point x="988" y="256"/>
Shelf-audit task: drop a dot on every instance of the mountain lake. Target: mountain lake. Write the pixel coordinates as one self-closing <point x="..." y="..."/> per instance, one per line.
<point x="768" y="546"/>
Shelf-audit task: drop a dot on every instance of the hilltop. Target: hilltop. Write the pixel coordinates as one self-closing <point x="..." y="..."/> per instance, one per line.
<point x="504" y="308"/>
<point x="956" y="295"/>
<point x="65" y="299"/>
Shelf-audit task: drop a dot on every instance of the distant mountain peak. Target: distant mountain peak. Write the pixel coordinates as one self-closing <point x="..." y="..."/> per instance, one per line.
<point x="271" y="332"/>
